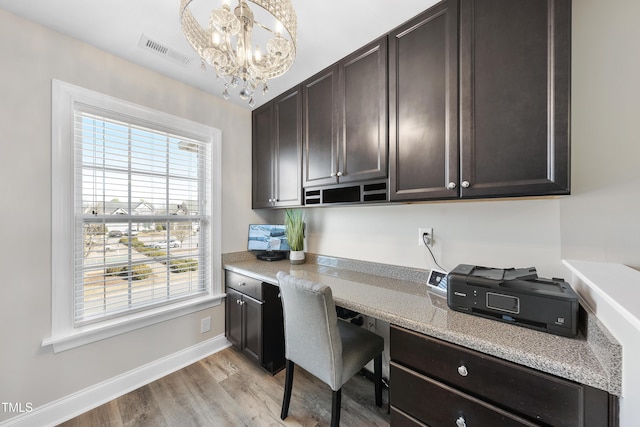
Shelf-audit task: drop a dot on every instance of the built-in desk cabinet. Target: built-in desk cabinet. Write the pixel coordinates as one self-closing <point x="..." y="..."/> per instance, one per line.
<point x="254" y="321"/>
<point x="436" y="383"/>
<point x="345" y="121"/>
<point x="277" y="152"/>
<point x="515" y="61"/>
<point x="491" y="121"/>
<point x="423" y="106"/>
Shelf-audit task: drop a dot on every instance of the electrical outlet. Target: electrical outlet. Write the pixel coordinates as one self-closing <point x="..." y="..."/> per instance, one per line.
<point x="205" y="325"/>
<point x="428" y="238"/>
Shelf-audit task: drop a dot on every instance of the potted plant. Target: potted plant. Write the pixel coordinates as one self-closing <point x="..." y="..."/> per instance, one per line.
<point x="294" y="228"/>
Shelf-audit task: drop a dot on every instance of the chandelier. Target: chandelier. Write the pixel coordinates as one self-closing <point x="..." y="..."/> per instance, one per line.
<point x="231" y="42"/>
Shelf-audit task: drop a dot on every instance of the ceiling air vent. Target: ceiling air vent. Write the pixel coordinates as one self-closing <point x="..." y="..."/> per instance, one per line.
<point x="162" y="50"/>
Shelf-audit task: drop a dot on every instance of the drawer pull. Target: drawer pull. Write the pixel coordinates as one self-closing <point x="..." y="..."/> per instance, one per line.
<point x="460" y="422"/>
<point x="462" y="370"/>
<point x="241" y="284"/>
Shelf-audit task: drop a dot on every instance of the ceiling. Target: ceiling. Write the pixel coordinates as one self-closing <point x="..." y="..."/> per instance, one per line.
<point x="327" y="31"/>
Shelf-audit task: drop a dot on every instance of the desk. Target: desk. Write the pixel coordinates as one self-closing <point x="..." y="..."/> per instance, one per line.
<point x="408" y="303"/>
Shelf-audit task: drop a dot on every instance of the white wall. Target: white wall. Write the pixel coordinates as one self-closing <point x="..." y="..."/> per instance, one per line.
<point x="499" y="233"/>
<point x="601" y="220"/>
<point x="32" y="56"/>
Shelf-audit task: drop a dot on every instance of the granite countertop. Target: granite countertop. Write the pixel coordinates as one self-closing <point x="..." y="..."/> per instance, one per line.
<point x="399" y="296"/>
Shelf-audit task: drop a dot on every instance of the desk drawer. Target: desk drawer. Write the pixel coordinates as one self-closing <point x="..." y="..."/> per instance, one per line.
<point x="538" y="395"/>
<point x="437" y="404"/>
<point x="244" y="284"/>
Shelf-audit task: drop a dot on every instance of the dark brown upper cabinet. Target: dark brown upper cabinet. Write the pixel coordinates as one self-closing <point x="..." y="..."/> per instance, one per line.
<point x="423" y="106"/>
<point x="345" y="119"/>
<point x="514" y="104"/>
<point x="277" y="152"/>
<point x="470" y="99"/>
<point x="320" y="140"/>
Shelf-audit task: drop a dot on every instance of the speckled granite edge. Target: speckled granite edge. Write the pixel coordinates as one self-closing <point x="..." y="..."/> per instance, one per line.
<point x="604" y="345"/>
<point x="232" y="257"/>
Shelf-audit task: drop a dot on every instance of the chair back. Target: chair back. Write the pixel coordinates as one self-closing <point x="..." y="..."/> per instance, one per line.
<point x="312" y="339"/>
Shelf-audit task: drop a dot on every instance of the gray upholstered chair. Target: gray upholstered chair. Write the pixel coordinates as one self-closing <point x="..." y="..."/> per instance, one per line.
<point x="331" y="350"/>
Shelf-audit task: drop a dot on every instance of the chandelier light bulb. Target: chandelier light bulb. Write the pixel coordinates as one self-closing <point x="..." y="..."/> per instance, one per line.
<point x="226" y="43"/>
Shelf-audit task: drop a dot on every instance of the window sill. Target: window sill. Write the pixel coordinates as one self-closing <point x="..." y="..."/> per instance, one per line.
<point x="77" y="337"/>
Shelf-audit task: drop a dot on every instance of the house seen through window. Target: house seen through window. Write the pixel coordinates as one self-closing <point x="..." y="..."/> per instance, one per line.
<point x="142" y="209"/>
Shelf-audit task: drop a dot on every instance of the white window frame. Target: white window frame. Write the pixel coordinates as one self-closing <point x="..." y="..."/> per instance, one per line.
<point x="64" y="334"/>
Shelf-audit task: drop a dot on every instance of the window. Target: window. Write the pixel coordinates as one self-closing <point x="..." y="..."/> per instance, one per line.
<point x="136" y="232"/>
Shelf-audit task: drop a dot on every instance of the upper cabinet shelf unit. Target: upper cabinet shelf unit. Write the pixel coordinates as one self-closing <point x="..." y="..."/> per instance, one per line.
<point x="345" y="122"/>
<point x="469" y="99"/>
<point x="277" y="152"/>
<point x="423" y="99"/>
<point x="514" y="97"/>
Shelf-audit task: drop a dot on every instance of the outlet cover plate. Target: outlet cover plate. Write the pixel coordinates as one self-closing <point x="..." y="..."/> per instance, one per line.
<point x="423" y="230"/>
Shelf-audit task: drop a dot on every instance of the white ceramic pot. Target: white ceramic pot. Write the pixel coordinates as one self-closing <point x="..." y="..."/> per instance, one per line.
<point x="296" y="257"/>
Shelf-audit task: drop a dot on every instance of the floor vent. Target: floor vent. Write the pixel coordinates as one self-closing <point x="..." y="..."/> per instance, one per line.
<point x="162" y="50"/>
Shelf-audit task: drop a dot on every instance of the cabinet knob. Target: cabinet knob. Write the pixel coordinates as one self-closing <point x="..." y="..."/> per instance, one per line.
<point x="462" y="370"/>
<point x="451" y="186"/>
<point x="465" y="184"/>
<point x="460" y="422"/>
<point x="339" y="174"/>
<point x="333" y="174"/>
<point x="238" y="302"/>
<point x="241" y="283"/>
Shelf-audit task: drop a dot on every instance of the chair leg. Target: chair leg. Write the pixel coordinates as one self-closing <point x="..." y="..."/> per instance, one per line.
<point x="335" y="408"/>
<point x="377" y="378"/>
<point x="288" y="384"/>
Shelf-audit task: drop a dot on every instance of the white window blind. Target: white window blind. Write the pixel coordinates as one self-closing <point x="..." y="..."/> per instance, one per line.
<point x="142" y="215"/>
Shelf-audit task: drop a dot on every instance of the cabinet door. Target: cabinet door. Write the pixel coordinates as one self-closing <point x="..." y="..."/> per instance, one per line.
<point x="252" y="324"/>
<point x="363" y="107"/>
<point x="233" y="317"/>
<point x="514" y="71"/>
<point x="423" y="106"/>
<point x="320" y="155"/>
<point x="287" y="150"/>
<point x="262" y="157"/>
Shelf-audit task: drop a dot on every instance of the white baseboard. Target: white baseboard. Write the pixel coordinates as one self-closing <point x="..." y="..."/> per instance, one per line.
<point x="75" y="404"/>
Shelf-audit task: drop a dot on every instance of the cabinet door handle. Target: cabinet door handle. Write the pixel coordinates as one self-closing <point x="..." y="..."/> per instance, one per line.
<point x="465" y="184"/>
<point x="333" y="174"/>
<point x="241" y="283"/>
<point x="451" y="186"/>
<point x="462" y="370"/>
<point x="339" y="173"/>
<point x="460" y="422"/>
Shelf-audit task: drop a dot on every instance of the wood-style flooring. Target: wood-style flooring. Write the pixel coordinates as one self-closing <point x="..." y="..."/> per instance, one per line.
<point x="227" y="389"/>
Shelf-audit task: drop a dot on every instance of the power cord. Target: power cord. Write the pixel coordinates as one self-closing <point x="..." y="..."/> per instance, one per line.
<point x="427" y="241"/>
